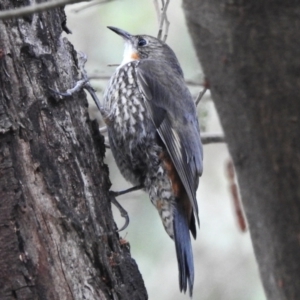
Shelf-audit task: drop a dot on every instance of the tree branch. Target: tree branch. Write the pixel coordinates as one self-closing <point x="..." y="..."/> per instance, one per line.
<point x="27" y="10"/>
<point x="236" y="199"/>
<point x="200" y="96"/>
<point x="89" y="5"/>
<point x="163" y="18"/>
<point x="210" y="138"/>
<point x="157" y="9"/>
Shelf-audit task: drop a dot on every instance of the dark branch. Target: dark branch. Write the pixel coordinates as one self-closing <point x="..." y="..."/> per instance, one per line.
<point x="210" y="138"/>
<point x="27" y="10"/>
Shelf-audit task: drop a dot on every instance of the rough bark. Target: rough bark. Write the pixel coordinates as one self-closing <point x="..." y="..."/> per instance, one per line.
<point x="250" y="54"/>
<point x="58" y="239"/>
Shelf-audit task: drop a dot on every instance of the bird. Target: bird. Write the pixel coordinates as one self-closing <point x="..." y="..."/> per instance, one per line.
<point x="154" y="137"/>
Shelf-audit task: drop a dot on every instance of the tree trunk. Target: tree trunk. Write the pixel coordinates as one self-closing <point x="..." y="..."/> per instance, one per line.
<point x="250" y="53"/>
<point x="58" y="239"/>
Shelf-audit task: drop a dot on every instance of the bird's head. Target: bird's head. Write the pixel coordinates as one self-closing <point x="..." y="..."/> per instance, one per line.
<point x="138" y="47"/>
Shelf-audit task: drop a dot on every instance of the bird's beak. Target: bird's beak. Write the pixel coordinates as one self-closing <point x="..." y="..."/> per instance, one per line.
<point x="120" y="32"/>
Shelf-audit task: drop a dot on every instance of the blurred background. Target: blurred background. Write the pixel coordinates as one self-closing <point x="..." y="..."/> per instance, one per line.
<point x="225" y="266"/>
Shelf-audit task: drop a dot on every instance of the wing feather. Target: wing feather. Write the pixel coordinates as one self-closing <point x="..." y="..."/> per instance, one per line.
<point x="173" y="113"/>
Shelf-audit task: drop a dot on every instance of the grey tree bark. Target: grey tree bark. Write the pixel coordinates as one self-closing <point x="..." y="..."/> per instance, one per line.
<point x="58" y="239"/>
<point x="250" y="53"/>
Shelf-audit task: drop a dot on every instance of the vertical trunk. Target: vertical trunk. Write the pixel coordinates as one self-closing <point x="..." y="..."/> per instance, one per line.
<point x="251" y="56"/>
<point x="58" y="239"/>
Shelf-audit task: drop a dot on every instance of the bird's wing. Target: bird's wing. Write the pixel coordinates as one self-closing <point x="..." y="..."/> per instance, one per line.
<point x="173" y="113"/>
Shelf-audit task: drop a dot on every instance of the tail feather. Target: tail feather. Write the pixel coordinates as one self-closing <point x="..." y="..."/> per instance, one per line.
<point x="193" y="226"/>
<point x="183" y="251"/>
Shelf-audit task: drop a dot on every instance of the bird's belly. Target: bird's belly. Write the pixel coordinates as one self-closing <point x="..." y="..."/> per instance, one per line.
<point x="139" y="160"/>
<point x="138" y="157"/>
<point x="137" y="149"/>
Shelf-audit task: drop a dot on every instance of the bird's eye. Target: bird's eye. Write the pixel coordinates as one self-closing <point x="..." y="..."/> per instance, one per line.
<point x="142" y="42"/>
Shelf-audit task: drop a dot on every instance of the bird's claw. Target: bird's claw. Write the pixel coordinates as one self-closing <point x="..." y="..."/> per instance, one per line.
<point x="122" y="211"/>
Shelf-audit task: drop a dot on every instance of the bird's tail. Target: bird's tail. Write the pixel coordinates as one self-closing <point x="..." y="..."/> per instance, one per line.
<point x="183" y="249"/>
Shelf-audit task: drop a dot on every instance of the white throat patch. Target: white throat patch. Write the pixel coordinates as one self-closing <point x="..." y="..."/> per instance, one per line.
<point x="128" y="55"/>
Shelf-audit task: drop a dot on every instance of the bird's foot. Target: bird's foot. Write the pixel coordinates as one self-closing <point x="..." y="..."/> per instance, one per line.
<point x="83" y="83"/>
<point x="122" y="211"/>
